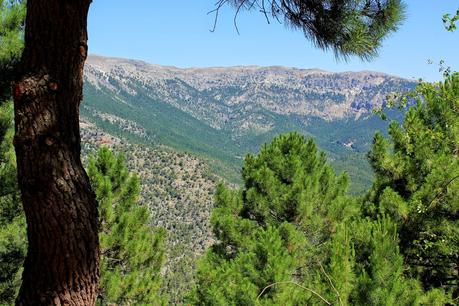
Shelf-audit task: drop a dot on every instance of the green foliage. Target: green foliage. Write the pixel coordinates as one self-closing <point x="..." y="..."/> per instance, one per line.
<point x="350" y="27"/>
<point x="417" y="183"/>
<point x="8" y="184"/>
<point x="379" y="266"/>
<point x="292" y="236"/>
<point x="13" y="242"/>
<point x="12" y="16"/>
<point x="286" y="180"/>
<point x="279" y="230"/>
<point x="132" y="251"/>
<point x="450" y="21"/>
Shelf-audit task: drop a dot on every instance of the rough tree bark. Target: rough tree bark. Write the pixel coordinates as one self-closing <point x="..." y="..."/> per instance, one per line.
<point x="62" y="263"/>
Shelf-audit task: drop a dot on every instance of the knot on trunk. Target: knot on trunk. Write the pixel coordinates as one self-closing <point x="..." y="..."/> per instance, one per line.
<point x="52" y="86"/>
<point x="29" y="140"/>
<point x="83" y="50"/>
<point x="49" y="141"/>
<point x="18" y="91"/>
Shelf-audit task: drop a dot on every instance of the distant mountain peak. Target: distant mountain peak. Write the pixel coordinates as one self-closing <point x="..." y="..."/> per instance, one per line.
<point x="110" y="62"/>
<point x="216" y="94"/>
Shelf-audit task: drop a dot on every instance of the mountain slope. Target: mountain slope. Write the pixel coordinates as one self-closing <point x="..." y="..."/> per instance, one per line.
<point x="178" y="189"/>
<point x="223" y="113"/>
<point x="157" y="115"/>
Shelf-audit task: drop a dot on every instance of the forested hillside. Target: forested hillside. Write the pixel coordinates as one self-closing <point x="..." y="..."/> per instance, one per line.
<point x="181" y="201"/>
<point x="177" y="188"/>
<point x="291" y="235"/>
<point x="154" y="115"/>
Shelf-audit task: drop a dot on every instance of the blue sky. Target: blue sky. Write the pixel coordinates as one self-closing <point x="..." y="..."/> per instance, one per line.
<point x="176" y="33"/>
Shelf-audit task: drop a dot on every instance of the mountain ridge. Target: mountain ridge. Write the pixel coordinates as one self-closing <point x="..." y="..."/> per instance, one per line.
<point x="217" y="95"/>
<point x="93" y="58"/>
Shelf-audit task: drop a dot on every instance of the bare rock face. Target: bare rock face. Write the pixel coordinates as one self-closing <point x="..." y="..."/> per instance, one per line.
<point x="235" y="97"/>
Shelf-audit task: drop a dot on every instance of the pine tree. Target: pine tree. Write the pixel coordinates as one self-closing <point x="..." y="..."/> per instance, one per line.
<point x="348" y="27"/>
<point x="13" y="242"/>
<point x="379" y="268"/>
<point x="277" y="231"/>
<point x="12" y="222"/>
<point x="132" y="251"/>
<point x="417" y="183"/>
<point x="292" y="236"/>
<point x="12" y="16"/>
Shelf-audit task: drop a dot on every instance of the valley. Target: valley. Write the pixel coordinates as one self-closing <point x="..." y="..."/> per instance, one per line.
<point x="184" y="130"/>
<point x="221" y="114"/>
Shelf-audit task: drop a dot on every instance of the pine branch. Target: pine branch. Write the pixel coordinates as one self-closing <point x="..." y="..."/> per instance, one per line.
<point x="296" y="284"/>
<point x="347" y="27"/>
<point x="331" y="283"/>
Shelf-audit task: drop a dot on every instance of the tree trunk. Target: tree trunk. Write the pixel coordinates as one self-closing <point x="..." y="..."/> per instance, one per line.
<point x="62" y="263"/>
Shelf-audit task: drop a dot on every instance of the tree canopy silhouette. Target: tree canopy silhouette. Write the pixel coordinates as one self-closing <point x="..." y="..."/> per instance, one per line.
<point x="348" y="27"/>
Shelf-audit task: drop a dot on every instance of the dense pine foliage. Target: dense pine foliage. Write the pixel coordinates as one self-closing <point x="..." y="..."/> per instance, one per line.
<point x="12" y="222"/>
<point x="417" y="184"/>
<point x="278" y="229"/>
<point x="12" y="16"/>
<point x="348" y="27"/>
<point x="132" y="251"/>
<point x="291" y="236"/>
